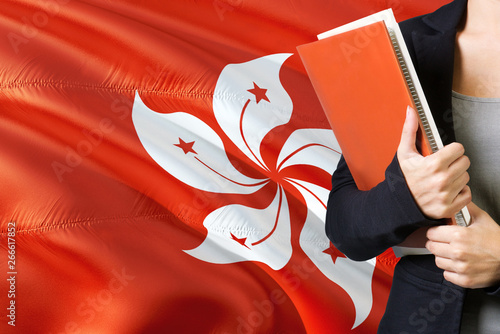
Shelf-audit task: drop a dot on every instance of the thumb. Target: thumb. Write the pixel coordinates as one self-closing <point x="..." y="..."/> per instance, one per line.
<point x="409" y="135"/>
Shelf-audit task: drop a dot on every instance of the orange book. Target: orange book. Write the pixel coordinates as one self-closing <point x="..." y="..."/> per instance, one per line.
<point x="363" y="76"/>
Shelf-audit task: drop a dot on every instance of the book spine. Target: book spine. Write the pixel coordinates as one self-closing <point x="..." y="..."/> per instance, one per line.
<point x="460" y="217"/>
<point x="420" y="110"/>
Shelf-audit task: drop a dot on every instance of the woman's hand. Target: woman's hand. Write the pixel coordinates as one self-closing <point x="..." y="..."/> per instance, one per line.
<point x="469" y="256"/>
<point x="438" y="182"/>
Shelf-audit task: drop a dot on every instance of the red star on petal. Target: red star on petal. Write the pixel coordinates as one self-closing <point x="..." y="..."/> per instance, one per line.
<point x="260" y="93"/>
<point x="241" y="241"/>
<point x="334" y="253"/>
<point x="186" y="147"/>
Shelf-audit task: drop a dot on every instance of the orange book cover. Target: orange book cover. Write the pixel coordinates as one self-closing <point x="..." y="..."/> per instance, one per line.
<point x="359" y="82"/>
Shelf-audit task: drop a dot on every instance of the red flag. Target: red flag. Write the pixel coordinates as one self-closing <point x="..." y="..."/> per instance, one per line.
<point x="165" y="168"/>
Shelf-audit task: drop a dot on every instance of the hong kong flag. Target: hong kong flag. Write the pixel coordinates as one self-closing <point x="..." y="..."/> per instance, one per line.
<point x="165" y="167"/>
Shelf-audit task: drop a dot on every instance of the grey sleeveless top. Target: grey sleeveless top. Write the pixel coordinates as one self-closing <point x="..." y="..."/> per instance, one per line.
<point x="477" y="128"/>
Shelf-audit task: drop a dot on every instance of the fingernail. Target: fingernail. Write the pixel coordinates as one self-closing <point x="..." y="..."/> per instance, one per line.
<point x="408" y="110"/>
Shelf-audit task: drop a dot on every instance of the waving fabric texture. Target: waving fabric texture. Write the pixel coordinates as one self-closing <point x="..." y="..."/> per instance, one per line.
<point x="165" y="167"/>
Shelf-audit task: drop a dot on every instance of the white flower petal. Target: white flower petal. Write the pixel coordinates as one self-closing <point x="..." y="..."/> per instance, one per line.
<point x="354" y="277"/>
<point x="316" y="147"/>
<point x="267" y="233"/>
<point x="190" y="150"/>
<point x="245" y="117"/>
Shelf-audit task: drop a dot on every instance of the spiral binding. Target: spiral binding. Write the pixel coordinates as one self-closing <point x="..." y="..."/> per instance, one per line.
<point x="459" y="217"/>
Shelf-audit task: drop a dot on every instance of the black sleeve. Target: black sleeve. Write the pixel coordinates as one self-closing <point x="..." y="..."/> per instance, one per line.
<point x="493" y="290"/>
<point x="363" y="224"/>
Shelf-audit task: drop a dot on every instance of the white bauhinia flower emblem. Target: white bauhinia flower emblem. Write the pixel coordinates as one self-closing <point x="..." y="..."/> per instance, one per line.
<point x="249" y="101"/>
